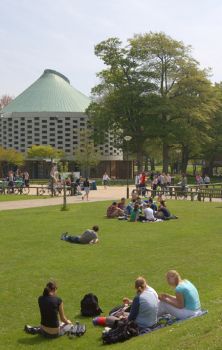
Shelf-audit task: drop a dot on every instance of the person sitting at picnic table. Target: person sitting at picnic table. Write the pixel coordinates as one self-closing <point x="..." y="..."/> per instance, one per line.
<point x="87" y="237"/>
<point x="113" y="211"/>
<point x="186" y="302"/>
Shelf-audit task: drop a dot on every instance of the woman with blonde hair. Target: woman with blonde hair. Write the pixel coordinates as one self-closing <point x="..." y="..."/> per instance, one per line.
<point x="185" y="303"/>
<point x="144" y="306"/>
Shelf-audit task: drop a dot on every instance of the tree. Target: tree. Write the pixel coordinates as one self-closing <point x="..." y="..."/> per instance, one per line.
<point x="184" y="99"/>
<point x="119" y="100"/>
<point x="10" y="157"/>
<point x="5" y="100"/>
<point x="44" y="152"/>
<point x="87" y="156"/>
<point x="212" y="146"/>
<point x="152" y="88"/>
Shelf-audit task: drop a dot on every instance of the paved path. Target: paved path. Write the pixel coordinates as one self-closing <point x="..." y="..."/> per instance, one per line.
<point x="111" y="193"/>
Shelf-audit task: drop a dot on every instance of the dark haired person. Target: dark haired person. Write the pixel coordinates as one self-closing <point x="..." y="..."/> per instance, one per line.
<point x="87" y="237"/>
<point x="163" y="212"/>
<point x="113" y="211"/>
<point x="52" y="312"/>
<point x="86" y="187"/>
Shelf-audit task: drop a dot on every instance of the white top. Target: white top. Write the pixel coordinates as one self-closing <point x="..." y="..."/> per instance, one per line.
<point x="137" y="180"/>
<point x="106" y="177"/>
<point x="148" y="212"/>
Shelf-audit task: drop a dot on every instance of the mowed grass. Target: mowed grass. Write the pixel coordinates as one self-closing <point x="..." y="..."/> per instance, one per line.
<point x="32" y="253"/>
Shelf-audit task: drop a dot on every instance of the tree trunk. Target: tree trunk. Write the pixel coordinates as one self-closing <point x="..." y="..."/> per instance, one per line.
<point x="139" y="159"/>
<point x="165" y="157"/>
<point x="185" y="158"/>
<point x="209" y="169"/>
<point x="146" y="163"/>
<point x="152" y="164"/>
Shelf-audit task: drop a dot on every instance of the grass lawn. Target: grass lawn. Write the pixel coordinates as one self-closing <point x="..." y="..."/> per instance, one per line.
<point x="32" y="253"/>
<point x="19" y="197"/>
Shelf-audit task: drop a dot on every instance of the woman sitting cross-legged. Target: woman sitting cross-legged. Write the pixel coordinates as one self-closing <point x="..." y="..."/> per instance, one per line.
<point x="144" y="306"/>
<point x="51" y="310"/>
<point x="185" y="303"/>
<point x="163" y="212"/>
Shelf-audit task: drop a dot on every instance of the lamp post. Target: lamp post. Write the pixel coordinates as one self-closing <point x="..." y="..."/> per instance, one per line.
<point x="127" y="139"/>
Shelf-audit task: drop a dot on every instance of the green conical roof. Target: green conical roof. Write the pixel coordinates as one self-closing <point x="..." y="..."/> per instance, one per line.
<point x="52" y="92"/>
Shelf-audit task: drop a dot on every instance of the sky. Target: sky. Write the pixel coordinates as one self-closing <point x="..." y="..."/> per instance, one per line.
<point x="62" y="34"/>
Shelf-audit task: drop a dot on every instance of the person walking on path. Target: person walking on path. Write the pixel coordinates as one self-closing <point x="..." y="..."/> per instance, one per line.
<point x="106" y="179"/>
<point x="86" y="187"/>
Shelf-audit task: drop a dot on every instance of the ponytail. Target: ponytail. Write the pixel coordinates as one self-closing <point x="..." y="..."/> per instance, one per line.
<point x="50" y="287"/>
<point x="140" y="284"/>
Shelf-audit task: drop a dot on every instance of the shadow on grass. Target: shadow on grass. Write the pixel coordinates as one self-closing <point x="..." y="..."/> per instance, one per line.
<point x="34" y="339"/>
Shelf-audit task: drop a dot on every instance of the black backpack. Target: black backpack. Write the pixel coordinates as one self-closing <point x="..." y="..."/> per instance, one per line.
<point x="123" y="330"/>
<point x="90" y="306"/>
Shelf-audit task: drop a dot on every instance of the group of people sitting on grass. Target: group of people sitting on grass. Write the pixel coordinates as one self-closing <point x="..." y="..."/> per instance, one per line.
<point x="140" y="210"/>
<point x="144" y="309"/>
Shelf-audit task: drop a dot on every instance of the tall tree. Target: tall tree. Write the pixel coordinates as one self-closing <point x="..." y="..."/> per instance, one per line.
<point x="152" y="88"/>
<point x="212" y="146"/>
<point x="119" y="99"/>
<point x="87" y="155"/>
<point x="184" y="92"/>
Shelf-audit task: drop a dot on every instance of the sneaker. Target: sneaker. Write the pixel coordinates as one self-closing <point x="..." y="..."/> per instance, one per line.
<point x="63" y="236"/>
<point x="31" y="330"/>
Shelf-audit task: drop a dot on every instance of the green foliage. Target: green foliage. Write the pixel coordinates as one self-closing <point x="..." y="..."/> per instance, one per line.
<point x="87" y="156"/>
<point x="41" y="152"/>
<point x="152" y="88"/>
<point x="212" y="146"/>
<point x="32" y="253"/>
<point x="11" y="156"/>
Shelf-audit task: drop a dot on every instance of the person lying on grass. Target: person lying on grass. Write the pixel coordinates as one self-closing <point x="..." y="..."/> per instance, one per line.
<point x="185" y="303"/>
<point x="87" y="237"/>
<point x="51" y="310"/>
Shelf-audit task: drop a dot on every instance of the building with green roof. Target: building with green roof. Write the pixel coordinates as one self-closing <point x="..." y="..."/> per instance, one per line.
<point x="49" y="112"/>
